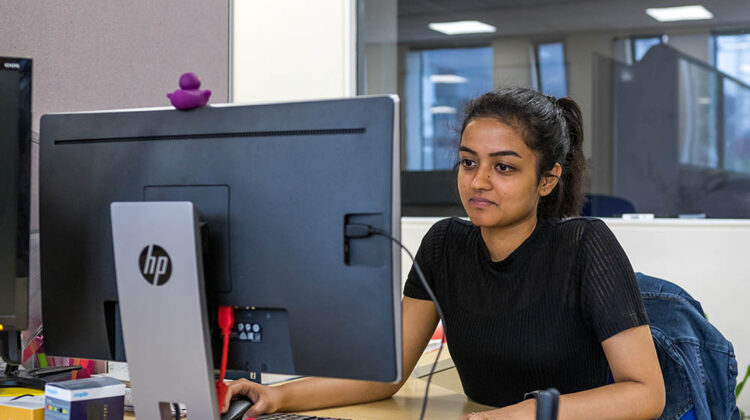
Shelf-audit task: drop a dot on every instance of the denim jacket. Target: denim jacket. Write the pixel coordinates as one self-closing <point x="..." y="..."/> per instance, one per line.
<point x="698" y="363"/>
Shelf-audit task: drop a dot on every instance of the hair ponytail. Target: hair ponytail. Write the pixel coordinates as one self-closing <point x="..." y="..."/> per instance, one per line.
<point x="553" y="129"/>
<point x="574" y="165"/>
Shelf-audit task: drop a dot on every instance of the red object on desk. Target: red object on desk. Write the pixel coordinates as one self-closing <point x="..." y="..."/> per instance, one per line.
<point x="438" y="334"/>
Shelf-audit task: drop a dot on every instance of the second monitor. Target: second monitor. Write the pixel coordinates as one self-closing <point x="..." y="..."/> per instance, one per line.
<point x="15" y="204"/>
<point x="275" y="184"/>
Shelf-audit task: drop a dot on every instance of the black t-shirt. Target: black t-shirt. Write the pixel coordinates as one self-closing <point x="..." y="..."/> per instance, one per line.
<point x="536" y="319"/>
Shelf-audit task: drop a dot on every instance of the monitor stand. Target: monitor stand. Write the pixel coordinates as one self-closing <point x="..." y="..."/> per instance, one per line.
<point x="13" y="377"/>
<point x="34" y="378"/>
<point x="160" y="285"/>
<point x="10" y="378"/>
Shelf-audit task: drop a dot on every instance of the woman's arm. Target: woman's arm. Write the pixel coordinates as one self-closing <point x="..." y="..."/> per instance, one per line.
<point x="638" y="391"/>
<point x="419" y="319"/>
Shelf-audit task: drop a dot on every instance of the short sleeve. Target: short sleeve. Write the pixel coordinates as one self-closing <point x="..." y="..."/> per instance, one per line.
<point x="428" y="256"/>
<point x="610" y="297"/>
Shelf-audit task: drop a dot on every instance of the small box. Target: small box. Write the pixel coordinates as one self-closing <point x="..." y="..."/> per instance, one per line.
<point x="91" y="398"/>
<point x="31" y="408"/>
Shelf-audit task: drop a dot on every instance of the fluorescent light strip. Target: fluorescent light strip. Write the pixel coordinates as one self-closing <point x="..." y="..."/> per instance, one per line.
<point x="447" y="78"/>
<point x="674" y="14"/>
<point x="443" y="110"/>
<point x="462" y="27"/>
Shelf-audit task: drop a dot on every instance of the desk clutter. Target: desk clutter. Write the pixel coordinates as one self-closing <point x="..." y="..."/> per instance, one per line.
<point x="90" y="398"/>
<point x="22" y="407"/>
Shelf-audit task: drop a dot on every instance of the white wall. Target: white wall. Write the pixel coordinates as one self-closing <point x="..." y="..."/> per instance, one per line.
<point x="708" y="258"/>
<point x="293" y="50"/>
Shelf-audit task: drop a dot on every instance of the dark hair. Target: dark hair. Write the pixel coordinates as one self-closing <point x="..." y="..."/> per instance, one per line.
<point x="553" y="129"/>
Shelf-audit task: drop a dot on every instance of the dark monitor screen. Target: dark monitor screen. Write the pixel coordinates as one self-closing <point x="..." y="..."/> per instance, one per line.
<point x="275" y="184"/>
<point x="15" y="161"/>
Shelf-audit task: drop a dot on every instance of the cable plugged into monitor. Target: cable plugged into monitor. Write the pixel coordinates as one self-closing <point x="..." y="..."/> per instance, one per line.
<point x="359" y="231"/>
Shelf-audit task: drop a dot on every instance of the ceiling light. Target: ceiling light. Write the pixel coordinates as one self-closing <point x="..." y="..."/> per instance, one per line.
<point x="462" y="27"/>
<point x="443" y="110"/>
<point x="673" y="14"/>
<point x="745" y="68"/>
<point x="447" y="78"/>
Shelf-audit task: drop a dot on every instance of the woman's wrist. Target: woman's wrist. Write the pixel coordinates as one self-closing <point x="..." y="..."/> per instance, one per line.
<point x="282" y="397"/>
<point x="529" y="407"/>
<point x="524" y="410"/>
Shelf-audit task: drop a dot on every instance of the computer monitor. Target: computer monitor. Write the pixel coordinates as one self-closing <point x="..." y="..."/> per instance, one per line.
<point x="15" y="199"/>
<point x="275" y="184"/>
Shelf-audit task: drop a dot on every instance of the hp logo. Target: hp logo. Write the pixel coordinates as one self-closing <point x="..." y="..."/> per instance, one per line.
<point x="155" y="264"/>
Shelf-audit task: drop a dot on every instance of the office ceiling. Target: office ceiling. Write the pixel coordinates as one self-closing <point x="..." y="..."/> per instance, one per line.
<point x="424" y="7"/>
<point x="547" y="17"/>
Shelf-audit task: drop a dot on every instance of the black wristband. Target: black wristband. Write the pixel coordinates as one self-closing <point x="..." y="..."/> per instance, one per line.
<point x="547" y="402"/>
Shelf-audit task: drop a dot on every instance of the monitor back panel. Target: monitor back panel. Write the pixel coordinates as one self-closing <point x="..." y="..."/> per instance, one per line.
<point x="275" y="183"/>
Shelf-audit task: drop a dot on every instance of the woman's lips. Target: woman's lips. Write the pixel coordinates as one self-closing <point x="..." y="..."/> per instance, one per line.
<point x="480" y="202"/>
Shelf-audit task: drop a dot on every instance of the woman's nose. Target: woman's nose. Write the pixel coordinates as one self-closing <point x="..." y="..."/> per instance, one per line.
<point x="481" y="180"/>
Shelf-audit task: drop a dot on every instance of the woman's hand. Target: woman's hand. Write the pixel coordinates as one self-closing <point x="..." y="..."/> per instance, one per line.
<point x="525" y="410"/>
<point x="266" y="399"/>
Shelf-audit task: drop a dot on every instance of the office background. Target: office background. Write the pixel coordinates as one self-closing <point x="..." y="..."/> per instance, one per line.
<point x="92" y="55"/>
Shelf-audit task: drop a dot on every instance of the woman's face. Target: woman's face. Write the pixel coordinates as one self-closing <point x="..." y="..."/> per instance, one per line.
<point x="497" y="177"/>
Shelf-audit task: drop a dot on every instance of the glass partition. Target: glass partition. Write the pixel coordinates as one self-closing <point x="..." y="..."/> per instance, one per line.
<point x="665" y="105"/>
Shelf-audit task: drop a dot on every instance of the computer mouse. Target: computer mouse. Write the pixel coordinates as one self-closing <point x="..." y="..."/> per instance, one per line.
<point x="236" y="409"/>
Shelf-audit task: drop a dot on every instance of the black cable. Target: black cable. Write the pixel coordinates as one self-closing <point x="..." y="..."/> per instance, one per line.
<point x="176" y="408"/>
<point x="376" y="231"/>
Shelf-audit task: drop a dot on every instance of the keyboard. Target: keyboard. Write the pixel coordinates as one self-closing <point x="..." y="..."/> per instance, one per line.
<point x="284" y="416"/>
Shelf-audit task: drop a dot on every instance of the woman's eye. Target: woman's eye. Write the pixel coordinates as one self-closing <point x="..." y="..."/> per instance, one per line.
<point x="503" y="167"/>
<point x="468" y="163"/>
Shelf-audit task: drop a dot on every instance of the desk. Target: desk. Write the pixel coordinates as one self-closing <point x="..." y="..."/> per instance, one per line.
<point x="406" y="404"/>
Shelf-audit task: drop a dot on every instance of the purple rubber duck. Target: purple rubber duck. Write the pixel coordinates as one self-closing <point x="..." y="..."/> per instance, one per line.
<point x="189" y="95"/>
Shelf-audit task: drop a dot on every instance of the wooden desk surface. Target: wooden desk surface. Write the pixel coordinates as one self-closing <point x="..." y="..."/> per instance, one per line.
<point x="406" y="404"/>
<point x="443" y="403"/>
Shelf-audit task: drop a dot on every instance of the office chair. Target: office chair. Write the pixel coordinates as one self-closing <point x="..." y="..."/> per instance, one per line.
<point x="601" y="205"/>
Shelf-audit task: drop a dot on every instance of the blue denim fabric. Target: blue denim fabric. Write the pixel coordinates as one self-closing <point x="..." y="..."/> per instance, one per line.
<point x="698" y="363"/>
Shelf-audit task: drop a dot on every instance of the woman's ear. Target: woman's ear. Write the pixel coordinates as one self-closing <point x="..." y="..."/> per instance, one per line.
<point x="549" y="180"/>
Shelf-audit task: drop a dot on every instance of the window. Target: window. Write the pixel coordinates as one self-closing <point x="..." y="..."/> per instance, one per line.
<point x="733" y="55"/>
<point x="550" y="69"/>
<point x="733" y="58"/>
<point x="698" y="136"/>
<point x="438" y="84"/>
<point x="736" y="126"/>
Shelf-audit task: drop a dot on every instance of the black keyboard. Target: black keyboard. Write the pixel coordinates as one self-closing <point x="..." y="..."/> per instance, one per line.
<point x="284" y="416"/>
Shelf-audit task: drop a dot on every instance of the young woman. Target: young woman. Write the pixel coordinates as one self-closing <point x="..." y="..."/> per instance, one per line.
<point x="532" y="298"/>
